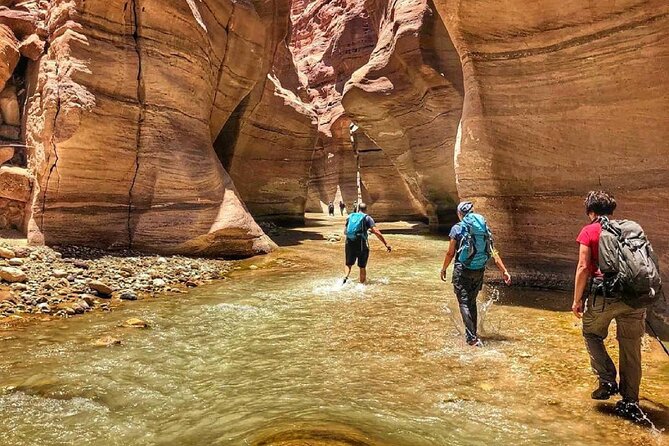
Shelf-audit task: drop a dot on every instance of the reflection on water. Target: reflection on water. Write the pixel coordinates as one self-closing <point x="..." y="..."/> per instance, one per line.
<point x="287" y="354"/>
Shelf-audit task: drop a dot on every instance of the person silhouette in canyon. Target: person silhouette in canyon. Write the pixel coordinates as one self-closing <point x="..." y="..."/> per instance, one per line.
<point x="602" y="304"/>
<point x="342" y="207"/>
<point x="331" y="209"/>
<point x="472" y="247"/>
<point x="358" y="224"/>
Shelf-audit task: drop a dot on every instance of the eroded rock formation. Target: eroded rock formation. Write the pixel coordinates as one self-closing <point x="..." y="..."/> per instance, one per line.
<point x="408" y="98"/>
<point x="119" y="121"/>
<point x="560" y="99"/>
<point x="268" y="143"/>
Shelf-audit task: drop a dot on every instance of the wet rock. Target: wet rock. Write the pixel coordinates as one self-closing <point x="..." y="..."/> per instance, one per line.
<point x="128" y="295"/>
<point x="107" y="341"/>
<point x="102" y="288"/>
<point x="89" y="299"/>
<point x="135" y="323"/>
<point x="11" y="274"/>
<point x="70" y="311"/>
<point x="44" y="307"/>
<point x="15" y="261"/>
<point x="6" y="253"/>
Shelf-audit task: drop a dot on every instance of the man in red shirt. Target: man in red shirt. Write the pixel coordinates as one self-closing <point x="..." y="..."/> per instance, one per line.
<point x="599" y="310"/>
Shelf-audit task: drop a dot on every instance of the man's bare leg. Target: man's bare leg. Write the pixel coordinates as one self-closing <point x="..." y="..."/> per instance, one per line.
<point x="348" y="272"/>
<point x="363" y="275"/>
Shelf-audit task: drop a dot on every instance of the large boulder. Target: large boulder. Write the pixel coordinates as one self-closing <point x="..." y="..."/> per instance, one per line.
<point x="15" y="183"/>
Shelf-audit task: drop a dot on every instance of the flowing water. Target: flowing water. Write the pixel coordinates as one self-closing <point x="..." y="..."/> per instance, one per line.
<point x="281" y="353"/>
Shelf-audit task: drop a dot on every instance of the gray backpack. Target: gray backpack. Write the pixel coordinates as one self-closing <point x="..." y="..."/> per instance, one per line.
<point x="630" y="267"/>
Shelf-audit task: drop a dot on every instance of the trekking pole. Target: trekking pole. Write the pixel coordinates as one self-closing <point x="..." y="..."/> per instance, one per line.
<point x="652" y="330"/>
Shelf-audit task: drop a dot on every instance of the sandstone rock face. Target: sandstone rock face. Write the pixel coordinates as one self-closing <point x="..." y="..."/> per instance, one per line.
<point x="408" y="97"/>
<point x="391" y="68"/>
<point x="120" y="123"/>
<point x="267" y="144"/>
<point x="9" y="54"/>
<point x="556" y="106"/>
<point x="15" y="183"/>
<point x="383" y="187"/>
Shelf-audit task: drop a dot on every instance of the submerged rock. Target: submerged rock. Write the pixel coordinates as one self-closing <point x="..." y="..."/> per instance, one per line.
<point x="128" y="295"/>
<point x="134" y="322"/>
<point x="107" y="341"/>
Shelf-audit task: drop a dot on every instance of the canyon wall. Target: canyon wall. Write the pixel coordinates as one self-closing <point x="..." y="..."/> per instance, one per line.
<point x="408" y="97"/>
<point x="561" y="98"/>
<point x="121" y="114"/>
<point x="267" y="146"/>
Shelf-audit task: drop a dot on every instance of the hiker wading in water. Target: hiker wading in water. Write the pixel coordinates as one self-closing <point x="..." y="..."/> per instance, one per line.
<point x="357" y="247"/>
<point x="471" y="246"/>
<point x="617" y="259"/>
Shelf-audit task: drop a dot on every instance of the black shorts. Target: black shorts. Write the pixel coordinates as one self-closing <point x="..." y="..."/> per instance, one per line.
<point x="357" y="250"/>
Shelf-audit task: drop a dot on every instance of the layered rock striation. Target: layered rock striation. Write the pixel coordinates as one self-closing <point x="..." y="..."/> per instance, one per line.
<point x="560" y="99"/>
<point x="119" y="120"/>
<point x="408" y="99"/>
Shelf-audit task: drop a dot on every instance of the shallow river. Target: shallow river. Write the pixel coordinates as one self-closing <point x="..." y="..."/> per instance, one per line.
<point x="281" y="353"/>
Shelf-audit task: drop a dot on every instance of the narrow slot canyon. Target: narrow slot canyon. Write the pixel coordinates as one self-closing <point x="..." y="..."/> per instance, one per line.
<point x="171" y="273"/>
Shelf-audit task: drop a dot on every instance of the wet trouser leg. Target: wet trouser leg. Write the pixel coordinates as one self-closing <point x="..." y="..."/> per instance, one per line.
<point x="630" y="329"/>
<point x="467" y="285"/>
<point x="596" y="320"/>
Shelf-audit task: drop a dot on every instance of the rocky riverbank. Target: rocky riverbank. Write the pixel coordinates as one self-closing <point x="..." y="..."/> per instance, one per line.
<point x="48" y="282"/>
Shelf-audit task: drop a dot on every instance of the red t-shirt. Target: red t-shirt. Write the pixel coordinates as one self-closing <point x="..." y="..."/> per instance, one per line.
<point x="589" y="236"/>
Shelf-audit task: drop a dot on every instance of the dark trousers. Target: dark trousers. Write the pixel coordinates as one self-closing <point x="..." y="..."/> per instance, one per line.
<point x="467" y="285"/>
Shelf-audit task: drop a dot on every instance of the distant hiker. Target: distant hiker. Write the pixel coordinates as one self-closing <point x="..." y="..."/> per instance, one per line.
<point x="342" y="207"/>
<point x="619" y="261"/>
<point x="357" y="247"/>
<point x="471" y="246"/>
<point x="331" y="209"/>
<point x="355" y="207"/>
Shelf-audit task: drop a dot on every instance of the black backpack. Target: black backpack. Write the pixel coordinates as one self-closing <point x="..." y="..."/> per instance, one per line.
<point x="630" y="267"/>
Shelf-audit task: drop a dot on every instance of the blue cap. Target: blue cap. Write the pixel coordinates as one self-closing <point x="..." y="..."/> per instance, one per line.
<point x="465" y="207"/>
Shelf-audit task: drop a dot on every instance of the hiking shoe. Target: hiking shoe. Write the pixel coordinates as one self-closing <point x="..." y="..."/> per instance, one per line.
<point x="630" y="410"/>
<point x="475" y="342"/>
<point x="604" y="391"/>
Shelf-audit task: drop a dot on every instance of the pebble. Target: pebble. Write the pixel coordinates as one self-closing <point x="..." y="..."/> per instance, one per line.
<point x="44" y="307"/>
<point x="89" y="299"/>
<point x="6" y="253"/>
<point x="128" y="295"/>
<point x="79" y="279"/>
<point x="102" y="288"/>
<point x="80" y="264"/>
